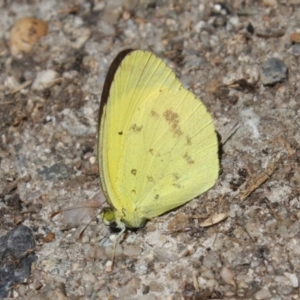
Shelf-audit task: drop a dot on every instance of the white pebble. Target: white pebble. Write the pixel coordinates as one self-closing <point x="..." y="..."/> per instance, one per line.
<point x="293" y="278"/>
<point x="227" y="276"/>
<point x="44" y="79"/>
<point x="264" y="293"/>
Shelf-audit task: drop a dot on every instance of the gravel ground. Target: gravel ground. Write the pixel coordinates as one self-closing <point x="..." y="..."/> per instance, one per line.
<point x="242" y="59"/>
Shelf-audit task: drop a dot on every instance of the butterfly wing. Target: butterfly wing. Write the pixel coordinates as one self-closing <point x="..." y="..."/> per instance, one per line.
<point x="159" y="146"/>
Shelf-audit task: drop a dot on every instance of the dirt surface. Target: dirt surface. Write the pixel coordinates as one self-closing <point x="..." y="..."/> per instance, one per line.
<point x="242" y="59"/>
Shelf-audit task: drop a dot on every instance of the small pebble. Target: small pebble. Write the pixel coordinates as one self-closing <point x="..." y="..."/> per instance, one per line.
<point x="227" y="275"/>
<point x="129" y="290"/>
<point x="164" y="255"/>
<point x="264" y="293"/>
<point x="178" y="222"/>
<point x="156" y="286"/>
<point x="48" y="238"/>
<point x="250" y="28"/>
<point x="93" y="160"/>
<point x="293" y="278"/>
<point x="37" y="285"/>
<point x="131" y="250"/>
<point x="108" y="266"/>
<point x="106" y="28"/>
<point x="295" y="49"/>
<point x="11" y="82"/>
<point x="148" y="297"/>
<point x="44" y="79"/>
<point x="269" y="3"/>
<point x="273" y="71"/>
<point x="80" y="37"/>
<point x="110" y="251"/>
<point x="295" y="37"/>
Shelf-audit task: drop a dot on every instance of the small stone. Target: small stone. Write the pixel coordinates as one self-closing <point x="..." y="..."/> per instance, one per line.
<point x="92" y="160"/>
<point x="110" y="251"/>
<point x="295" y="37"/>
<point x="48" y="238"/>
<point x="250" y="28"/>
<point x="106" y="28"/>
<point x="270" y="3"/>
<point x="55" y="290"/>
<point x="293" y="278"/>
<point x="148" y="297"/>
<point x="212" y="86"/>
<point x="44" y="79"/>
<point x="264" y="293"/>
<point x="247" y="12"/>
<point x="96" y="252"/>
<point x="17" y="256"/>
<point x="227" y="276"/>
<point x="178" y="222"/>
<point x="81" y="35"/>
<point x="129" y="290"/>
<point x="112" y="12"/>
<point x="163" y="255"/>
<point x="90" y="63"/>
<point x="108" y="266"/>
<point x="211" y="260"/>
<point x="273" y="71"/>
<point x="37" y="284"/>
<point x="156" y="287"/>
<point x="73" y="125"/>
<point x="11" y="82"/>
<point x="131" y="250"/>
<point x="57" y="171"/>
<point x="130" y="5"/>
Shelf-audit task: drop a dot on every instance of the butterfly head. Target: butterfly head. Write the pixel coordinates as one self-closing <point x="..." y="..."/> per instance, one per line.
<point x="109" y="218"/>
<point x="121" y="220"/>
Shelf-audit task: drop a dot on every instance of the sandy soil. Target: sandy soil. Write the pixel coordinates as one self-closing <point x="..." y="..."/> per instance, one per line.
<point x="48" y="149"/>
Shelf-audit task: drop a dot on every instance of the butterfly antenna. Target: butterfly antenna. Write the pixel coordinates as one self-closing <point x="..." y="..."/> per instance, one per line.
<point x="86" y="226"/>
<point x="61" y="211"/>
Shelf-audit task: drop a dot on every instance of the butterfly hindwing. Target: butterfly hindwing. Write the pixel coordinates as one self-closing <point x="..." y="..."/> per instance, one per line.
<point x="159" y="147"/>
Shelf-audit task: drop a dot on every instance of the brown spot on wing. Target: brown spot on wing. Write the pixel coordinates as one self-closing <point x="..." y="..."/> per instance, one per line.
<point x="188" y="159"/>
<point x="173" y="119"/>
<point x="177" y="185"/>
<point x="136" y="128"/>
<point x="154" y="114"/>
<point x="176" y="176"/>
<point x="188" y="140"/>
<point x="154" y="152"/>
<point x="133" y="172"/>
<point x="150" y="179"/>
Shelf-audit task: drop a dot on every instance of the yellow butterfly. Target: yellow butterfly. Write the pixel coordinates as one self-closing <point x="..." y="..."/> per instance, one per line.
<point x="157" y="143"/>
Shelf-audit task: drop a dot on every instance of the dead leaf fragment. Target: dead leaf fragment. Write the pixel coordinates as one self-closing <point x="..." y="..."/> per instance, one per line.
<point x="215" y="219"/>
<point x="295" y="37"/>
<point x="25" y="34"/>
<point x="253" y="184"/>
<point x="48" y="238"/>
